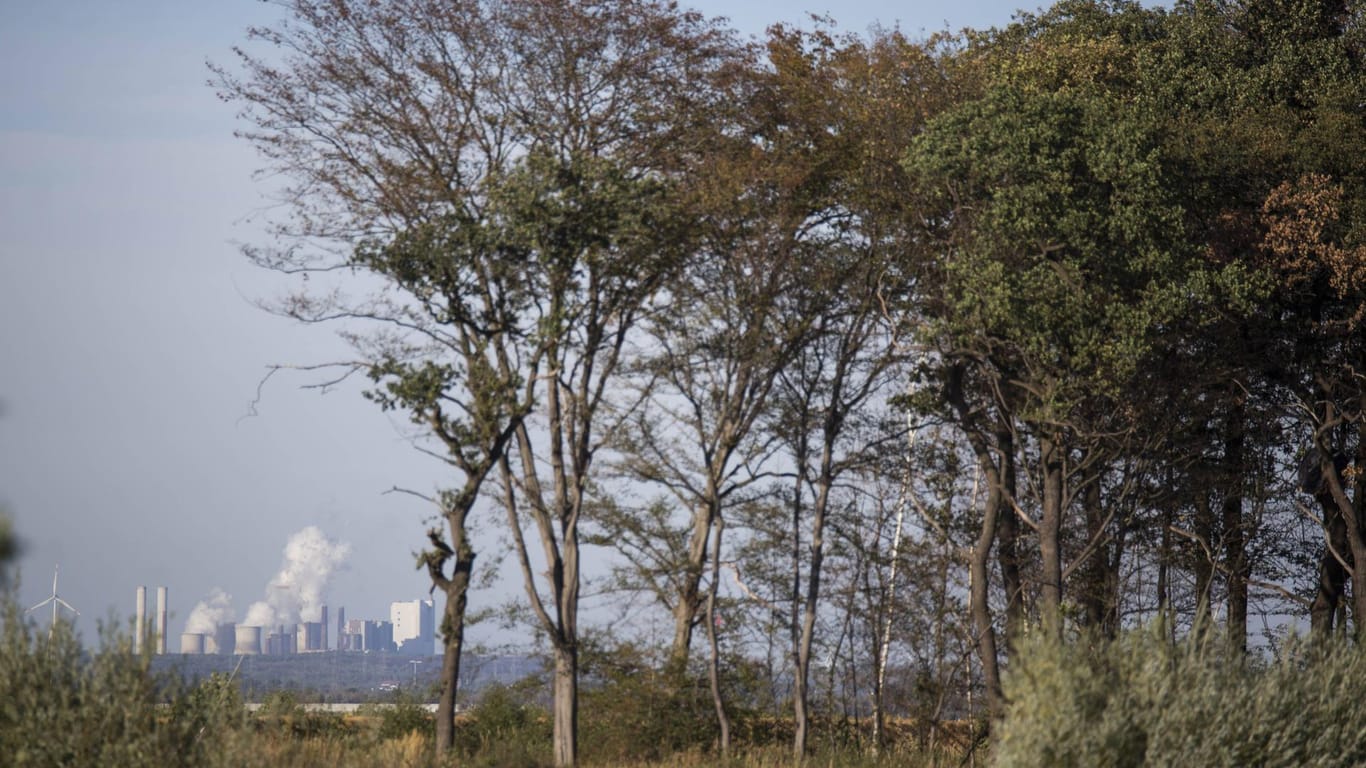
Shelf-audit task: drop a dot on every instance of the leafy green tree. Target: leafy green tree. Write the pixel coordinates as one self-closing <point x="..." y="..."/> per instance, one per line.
<point x="1059" y="254"/>
<point x="502" y="169"/>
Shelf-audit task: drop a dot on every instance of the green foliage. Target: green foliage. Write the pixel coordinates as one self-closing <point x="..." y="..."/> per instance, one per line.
<point x="402" y="715"/>
<point x="504" y="729"/>
<point x="60" y="705"/>
<point x="1142" y="701"/>
<point x="633" y="711"/>
<point x="1065" y="247"/>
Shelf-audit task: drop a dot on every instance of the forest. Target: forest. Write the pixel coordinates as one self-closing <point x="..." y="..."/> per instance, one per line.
<point x="896" y="380"/>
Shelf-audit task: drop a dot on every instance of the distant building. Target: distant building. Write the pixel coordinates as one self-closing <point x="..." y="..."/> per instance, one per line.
<point x="310" y="636"/>
<point x="414" y="627"/>
<point x="370" y="636"/>
<point x="378" y="636"/>
<point x="282" y="642"/>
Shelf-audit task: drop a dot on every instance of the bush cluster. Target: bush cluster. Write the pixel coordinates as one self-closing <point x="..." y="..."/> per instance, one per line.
<point x="60" y="705"/>
<point x="1142" y="700"/>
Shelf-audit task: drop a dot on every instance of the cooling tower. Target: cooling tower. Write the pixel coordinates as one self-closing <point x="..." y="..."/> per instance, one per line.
<point x="140" y="614"/>
<point x="224" y="639"/>
<point x="161" y="620"/>
<point x="192" y="643"/>
<point x="247" y="640"/>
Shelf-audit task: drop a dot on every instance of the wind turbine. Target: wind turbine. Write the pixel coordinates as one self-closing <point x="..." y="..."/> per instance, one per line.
<point x="55" y="600"/>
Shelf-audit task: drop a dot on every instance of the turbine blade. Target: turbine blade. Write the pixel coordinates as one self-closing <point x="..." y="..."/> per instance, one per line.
<point x="68" y="606"/>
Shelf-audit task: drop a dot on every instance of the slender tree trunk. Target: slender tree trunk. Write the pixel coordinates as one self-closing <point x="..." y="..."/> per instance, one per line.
<point x="800" y="678"/>
<point x="714" y="661"/>
<point x="1092" y="597"/>
<point x="885" y="621"/>
<point x="1235" y="533"/>
<point x="1050" y="535"/>
<point x="1008" y="537"/>
<point x="808" y="631"/>
<point x="1203" y="565"/>
<point x="1100" y="597"/>
<point x="979" y="569"/>
<point x="453" y="635"/>
<point x="1332" y="575"/>
<point x="1164" y="559"/>
<point x="979" y="562"/>
<point x="689" y="594"/>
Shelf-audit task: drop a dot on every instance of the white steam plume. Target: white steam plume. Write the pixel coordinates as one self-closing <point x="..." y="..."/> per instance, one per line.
<point x="210" y="612"/>
<point x="296" y="592"/>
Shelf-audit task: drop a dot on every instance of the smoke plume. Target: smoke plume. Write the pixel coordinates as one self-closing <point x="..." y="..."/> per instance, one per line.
<point x="296" y="592"/>
<point x="210" y="612"/>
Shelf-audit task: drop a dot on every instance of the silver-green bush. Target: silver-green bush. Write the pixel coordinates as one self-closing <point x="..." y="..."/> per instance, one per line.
<point x="63" y="705"/>
<point x="1142" y="701"/>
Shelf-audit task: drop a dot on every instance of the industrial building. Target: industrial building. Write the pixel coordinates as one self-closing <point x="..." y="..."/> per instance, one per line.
<point x="414" y="627"/>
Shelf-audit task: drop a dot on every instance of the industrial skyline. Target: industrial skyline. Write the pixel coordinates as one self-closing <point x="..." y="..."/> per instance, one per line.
<point x="409" y="632"/>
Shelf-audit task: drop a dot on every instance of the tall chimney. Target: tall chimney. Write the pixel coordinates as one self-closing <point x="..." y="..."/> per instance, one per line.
<point x="140" y="627"/>
<point x="161" y="620"/>
<point x="341" y="629"/>
<point x="324" y="623"/>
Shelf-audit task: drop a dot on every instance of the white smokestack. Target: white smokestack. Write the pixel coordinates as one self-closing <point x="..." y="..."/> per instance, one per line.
<point x="161" y="620"/>
<point x="140" y="624"/>
<point x="296" y="592"/>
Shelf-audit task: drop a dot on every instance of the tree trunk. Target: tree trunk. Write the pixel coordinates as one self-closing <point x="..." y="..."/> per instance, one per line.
<point x="884" y="614"/>
<point x="1235" y="534"/>
<point x="566" y="703"/>
<point x="689" y="593"/>
<point x="1093" y="597"/>
<point x="808" y="631"/>
<point x="1008" y="537"/>
<point x="1203" y="564"/>
<point x="1100" y="596"/>
<point x="1332" y="574"/>
<point x="1349" y="511"/>
<point x="1050" y="536"/>
<point x="979" y="566"/>
<point x="979" y="569"/>
<point x="453" y="636"/>
<point x="714" y="661"/>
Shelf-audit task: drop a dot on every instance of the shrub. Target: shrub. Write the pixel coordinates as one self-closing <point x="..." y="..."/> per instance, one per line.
<point x="405" y="715"/>
<point x="1142" y="701"/>
<point x="62" y="706"/>
<point x="503" y="730"/>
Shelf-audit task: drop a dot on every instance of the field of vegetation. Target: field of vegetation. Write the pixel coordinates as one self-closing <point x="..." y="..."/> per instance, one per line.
<point x="61" y="704"/>
<point x="1139" y="700"/>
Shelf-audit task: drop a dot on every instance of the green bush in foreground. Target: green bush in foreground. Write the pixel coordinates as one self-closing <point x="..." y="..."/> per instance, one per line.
<point x="1140" y="701"/>
<point x="60" y="705"/>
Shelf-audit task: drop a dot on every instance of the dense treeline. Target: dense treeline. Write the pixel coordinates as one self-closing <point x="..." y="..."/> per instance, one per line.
<point x="863" y="357"/>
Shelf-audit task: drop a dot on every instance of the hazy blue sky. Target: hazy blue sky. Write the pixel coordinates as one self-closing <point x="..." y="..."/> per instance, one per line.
<point x="129" y="343"/>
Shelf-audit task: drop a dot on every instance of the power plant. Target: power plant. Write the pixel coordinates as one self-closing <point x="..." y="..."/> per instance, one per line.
<point x="292" y="618"/>
<point x="413" y="635"/>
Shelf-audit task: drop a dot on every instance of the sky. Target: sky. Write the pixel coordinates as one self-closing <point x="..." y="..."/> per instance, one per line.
<point x="131" y="340"/>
